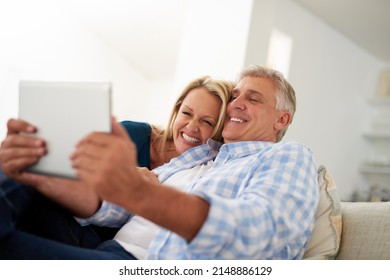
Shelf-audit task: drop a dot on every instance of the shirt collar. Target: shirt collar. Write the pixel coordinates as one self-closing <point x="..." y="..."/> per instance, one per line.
<point x="244" y="148"/>
<point x="191" y="157"/>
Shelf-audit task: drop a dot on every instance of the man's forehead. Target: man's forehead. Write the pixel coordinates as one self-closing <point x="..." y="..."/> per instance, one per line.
<point x="255" y="85"/>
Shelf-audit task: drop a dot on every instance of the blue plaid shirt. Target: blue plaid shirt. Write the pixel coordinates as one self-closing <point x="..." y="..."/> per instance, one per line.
<point x="263" y="197"/>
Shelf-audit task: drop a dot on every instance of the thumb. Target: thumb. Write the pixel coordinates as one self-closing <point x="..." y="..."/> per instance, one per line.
<point x="119" y="130"/>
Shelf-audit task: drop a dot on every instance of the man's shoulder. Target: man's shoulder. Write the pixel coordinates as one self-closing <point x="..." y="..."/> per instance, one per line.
<point x="265" y="145"/>
<point x="290" y="147"/>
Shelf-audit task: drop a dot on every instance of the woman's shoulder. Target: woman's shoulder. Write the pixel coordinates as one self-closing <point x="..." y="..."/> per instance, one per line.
<point x="133" y="127"/>
<point x="140" y="133"/>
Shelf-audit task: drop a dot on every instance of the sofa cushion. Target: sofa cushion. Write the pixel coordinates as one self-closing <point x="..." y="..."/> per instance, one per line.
<point x="325" y="239"/>
<point x="366" y="231"/>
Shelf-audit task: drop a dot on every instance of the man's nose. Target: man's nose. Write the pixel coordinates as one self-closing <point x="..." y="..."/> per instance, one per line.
<point x="238" y="103"/>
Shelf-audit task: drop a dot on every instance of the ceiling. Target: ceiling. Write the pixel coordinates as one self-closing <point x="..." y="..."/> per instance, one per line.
<point x="366" y="22"/>
<point x="147" y="33"/>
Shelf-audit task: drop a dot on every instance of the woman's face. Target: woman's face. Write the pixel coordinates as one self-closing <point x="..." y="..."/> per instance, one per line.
<point x="196" y="119"/>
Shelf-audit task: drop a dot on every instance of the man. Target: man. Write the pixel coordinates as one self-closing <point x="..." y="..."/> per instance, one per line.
<point x="251" y="198"/>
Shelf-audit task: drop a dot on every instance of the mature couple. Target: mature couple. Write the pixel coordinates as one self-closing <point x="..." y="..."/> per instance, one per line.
<point x="250" y="197"/>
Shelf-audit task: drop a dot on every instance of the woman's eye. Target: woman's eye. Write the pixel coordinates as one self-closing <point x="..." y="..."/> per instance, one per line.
<point x="186" y="113"/>
<point x="209" y="123"/>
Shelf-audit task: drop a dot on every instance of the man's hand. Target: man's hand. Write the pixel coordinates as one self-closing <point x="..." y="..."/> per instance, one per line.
<point x="107" y="163"/>
<point x="19" y="150"/>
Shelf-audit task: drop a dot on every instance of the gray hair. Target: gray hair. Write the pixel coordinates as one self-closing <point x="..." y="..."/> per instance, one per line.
<point x="285" y="94"/>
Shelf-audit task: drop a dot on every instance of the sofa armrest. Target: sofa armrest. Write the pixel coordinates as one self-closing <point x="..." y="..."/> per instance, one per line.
<point x="366" y="231"/>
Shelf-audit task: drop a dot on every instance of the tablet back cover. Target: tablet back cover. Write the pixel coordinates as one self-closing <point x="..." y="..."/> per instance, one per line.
<point x="64" y="112"/>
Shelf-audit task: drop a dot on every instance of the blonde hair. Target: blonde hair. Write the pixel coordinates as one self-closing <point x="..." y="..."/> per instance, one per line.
<point x="220" y="88"/>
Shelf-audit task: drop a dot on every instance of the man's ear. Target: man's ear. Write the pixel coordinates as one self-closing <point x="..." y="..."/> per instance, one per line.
<point x="283" y="120"/>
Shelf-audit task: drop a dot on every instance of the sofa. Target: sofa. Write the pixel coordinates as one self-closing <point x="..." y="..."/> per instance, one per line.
<point x="365" y="231"/>
<point x="348" y="230"/>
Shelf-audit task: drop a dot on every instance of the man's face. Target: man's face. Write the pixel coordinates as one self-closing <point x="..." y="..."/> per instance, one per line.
<point x="252" y="114"/>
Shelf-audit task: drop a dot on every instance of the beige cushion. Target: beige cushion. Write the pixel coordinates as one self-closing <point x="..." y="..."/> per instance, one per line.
<point x="366" y="231"/>
<point x="325" y="240"/>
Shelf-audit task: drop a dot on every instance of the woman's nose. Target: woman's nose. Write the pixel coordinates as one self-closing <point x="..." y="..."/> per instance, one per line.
<point x="193" y="125"/>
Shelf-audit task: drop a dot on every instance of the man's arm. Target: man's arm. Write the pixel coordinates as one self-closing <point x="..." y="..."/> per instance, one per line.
<point x="81" y="200"/>
<point x="174" y="210"/>
<point x="108" y="164"/>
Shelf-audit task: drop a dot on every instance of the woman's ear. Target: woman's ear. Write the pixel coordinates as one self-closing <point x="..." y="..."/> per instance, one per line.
<point x="283" y="120"/>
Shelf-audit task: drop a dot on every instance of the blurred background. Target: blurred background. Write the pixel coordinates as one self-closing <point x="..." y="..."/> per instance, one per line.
<point x="335" y="53"/>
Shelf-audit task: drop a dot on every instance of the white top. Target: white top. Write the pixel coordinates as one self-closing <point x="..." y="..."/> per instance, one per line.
<point x="136" y="235"/>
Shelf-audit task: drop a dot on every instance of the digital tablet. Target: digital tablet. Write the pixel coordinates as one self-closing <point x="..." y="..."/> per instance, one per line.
<point x="64" y="112"/>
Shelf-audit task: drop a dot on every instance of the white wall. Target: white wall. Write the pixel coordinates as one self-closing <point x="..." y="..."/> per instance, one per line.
<point x="211" y="34"/>
<point x="40" y="41"/>
<point x="333" y="79"/>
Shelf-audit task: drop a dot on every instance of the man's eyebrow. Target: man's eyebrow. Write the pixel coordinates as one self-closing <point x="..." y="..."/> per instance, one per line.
<point x="256" y="93"/>
<point x="251" y="91"/>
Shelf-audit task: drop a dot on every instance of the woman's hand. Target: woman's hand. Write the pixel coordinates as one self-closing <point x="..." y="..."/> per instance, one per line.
<point x="149" y="175"/>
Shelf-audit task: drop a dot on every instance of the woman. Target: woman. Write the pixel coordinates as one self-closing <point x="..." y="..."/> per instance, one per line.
<point x="157" y="146"/>
<point x="193" y="120"/>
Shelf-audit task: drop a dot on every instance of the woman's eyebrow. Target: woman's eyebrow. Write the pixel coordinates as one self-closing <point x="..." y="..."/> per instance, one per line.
<point x="203" y="116"/>
<point x="189" y="108"/>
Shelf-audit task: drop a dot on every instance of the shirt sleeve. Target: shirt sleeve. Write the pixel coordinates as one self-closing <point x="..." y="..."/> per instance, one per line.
<point x="109" y="215"/>
<point x="272" y="217"/>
